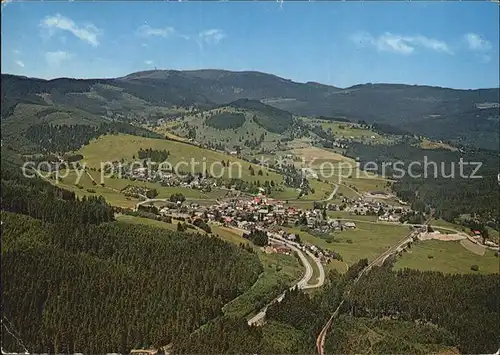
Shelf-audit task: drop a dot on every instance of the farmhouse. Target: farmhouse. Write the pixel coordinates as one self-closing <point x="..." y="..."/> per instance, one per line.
<point x="283" y="249"/>
<point x="143" y="352"/>
<point x="351" y="225"/>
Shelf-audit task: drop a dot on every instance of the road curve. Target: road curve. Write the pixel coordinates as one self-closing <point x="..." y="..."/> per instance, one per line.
<point x="303" y="283"/>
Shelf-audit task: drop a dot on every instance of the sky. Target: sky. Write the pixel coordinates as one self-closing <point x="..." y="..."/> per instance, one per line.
<point x="449" y="44"/>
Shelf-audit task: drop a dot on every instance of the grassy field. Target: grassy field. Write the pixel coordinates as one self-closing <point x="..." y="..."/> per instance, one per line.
<point x="368" y="240"/>
<point x="336" y="168"/>
<point x="348" y="215"/>
<point x="111" y="189"/>
<point x="231" y="138"/>
<point x="149" y="222"/>
<point x="280" y="272"/>
<point x="446" y="224"/>
<point x="352" y="131"/>
<point x="315" y="276"/>
<point x="112" y="197"/>
<point x="318" y="156"/>
<point x="337" y="265"/>
<point x="473" y="247"/>
<point x="302" y="204"/>
<point x="116" y="147"/>
<point x="449" y="257"/>
<point x="228" y="235"/>
<point x="321" y="191"/>
<point x="428" y="144"/>
<point x="363" y="184"/>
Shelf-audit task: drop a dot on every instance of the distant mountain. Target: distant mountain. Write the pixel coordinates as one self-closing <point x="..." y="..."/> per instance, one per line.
<point x="442" y="113"/>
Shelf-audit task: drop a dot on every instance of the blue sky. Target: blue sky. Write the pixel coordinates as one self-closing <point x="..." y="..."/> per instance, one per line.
<point x="452" y="44"/>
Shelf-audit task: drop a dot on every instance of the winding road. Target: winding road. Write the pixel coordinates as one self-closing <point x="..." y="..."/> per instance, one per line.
<point x="303" y="283"/>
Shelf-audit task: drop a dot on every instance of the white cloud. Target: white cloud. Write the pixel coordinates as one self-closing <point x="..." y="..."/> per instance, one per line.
<point x="148" y="31"/>
<point x="16" y="51"/>
<point x="476" y="43"/>
<point x="88" y="33"/>
<point x="148" y="62"/>
<point x="21" y="64"/>
<point x="400" y="44"/>
<point x="212" y="36"/>
<point x="55" y="59"/>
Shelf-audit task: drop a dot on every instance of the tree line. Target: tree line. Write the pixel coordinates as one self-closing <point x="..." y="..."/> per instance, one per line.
<point x="450" y="197"/>
<point x="412" y="312"/>
<point x="66" y="138"/>
<point x="466" y="305"/>
<point x="155" y="155"/>
<point x="74" y="280"/>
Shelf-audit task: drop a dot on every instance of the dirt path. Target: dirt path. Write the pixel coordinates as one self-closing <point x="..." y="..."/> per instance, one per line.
<point x="473" y="247"/>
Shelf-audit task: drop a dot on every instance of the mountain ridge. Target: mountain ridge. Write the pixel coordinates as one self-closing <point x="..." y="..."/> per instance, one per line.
<point x="407" y="107"/>
<point x="197" y="72"/>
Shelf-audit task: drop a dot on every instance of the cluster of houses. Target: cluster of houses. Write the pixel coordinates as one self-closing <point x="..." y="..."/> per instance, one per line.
<point x="248" y="213"/>
<point x="277" y="248"/>
<point x="323" y="254"/>
<point x="265" y="214"/>
<point x="362" y="207"/>
<point x="165" y="178"/>
<point x="478" y="237"/>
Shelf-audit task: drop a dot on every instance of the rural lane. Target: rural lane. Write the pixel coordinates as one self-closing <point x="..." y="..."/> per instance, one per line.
<point x="303" y="283"/>
<point x="320" y="340"/>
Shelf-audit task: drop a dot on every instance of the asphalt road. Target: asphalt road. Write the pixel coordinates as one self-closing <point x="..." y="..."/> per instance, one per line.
<point x="303" y="283"/>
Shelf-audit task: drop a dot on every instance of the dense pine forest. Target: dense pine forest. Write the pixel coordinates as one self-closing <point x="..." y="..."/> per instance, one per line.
<point x="355" y="335"/>
<point x="65" y="138"/>
<point x="386" y="312"/>
<point x="466" y="305"/>
<point x="449" y="197"/>
<point x="291" y="326"/>
<point x="74" y="280"/>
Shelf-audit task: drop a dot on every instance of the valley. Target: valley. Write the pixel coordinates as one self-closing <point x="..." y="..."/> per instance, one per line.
<point x="239" y="216"/>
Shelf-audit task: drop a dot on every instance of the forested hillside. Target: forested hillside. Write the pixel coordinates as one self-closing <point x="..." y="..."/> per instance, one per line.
<point x="466" y="305"/>
<point x="406" y="312"/>
<point x="356" y="335"/>
<point x="294" y="324"/>
<point x="75" y="281"/>
<point x="64" y="138"/>
<point x="443" y="184"/>
<point x="442" y="113"/>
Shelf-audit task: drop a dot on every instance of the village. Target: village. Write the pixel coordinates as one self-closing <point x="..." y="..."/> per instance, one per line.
<point x="274" y="217"/>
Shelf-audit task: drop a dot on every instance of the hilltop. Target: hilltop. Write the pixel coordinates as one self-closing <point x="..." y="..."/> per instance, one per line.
<point x="239" y="125"/>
